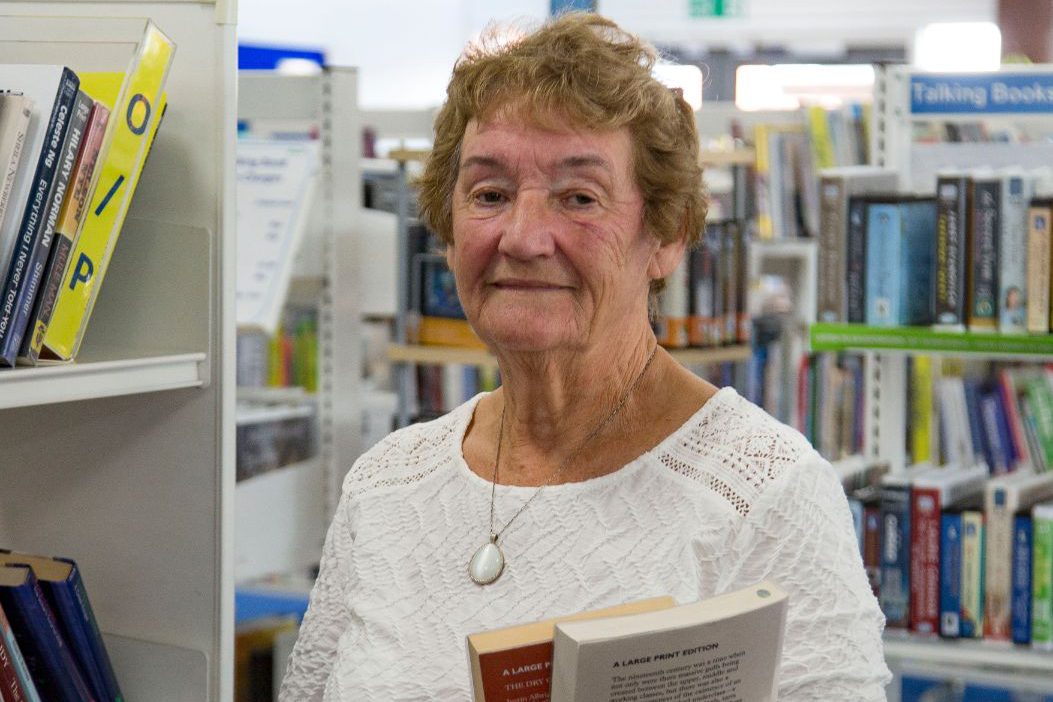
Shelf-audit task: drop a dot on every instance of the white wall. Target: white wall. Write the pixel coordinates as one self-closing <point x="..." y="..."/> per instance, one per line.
<point x="406" y="48"/>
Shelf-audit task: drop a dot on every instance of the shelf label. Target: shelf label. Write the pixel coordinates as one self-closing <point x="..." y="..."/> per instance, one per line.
<point x="994" y="93"/>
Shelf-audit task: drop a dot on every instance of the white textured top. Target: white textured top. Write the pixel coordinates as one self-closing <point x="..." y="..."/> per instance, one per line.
<point x="730" y="498"/>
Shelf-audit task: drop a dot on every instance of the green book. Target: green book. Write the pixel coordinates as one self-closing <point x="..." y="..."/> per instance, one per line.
<point x="1042" y="576"/>
<point x="972" y="588"/>
<point x="1040" y="394"/>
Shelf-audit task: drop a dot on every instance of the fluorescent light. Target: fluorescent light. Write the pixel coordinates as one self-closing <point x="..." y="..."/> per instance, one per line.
<point x="789" y="86"/>
<point x="958" y="46"/>
<point x="687" y="78"/>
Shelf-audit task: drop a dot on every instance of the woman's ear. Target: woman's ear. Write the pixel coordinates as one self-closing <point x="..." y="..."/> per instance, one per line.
<point x="666" y="258"/>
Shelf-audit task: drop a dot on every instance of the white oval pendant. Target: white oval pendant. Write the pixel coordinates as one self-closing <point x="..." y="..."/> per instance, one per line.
<point x="487" y="564"/>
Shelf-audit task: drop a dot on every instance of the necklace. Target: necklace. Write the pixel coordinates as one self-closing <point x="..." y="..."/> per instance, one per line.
<point x="488" y="562"/>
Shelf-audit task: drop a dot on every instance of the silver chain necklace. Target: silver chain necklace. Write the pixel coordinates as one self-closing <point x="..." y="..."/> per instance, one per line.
<point x="488" y="562"/>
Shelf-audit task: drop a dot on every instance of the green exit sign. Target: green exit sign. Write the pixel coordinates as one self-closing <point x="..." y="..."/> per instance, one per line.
<point x="716" y="8"/>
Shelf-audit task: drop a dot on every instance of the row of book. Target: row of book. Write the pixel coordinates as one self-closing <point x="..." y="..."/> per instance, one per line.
<point x="288" y="358"/>
<point x="703" y="303"/>
<point x="954" y="552"/>
<point x="72" y="147"/>
<point x="440" y="388"/>
<point x="50" y="646"/>
<point x="975" y="256"/>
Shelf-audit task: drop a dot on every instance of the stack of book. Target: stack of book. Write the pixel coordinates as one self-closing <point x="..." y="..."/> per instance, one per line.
<point x="72" y="147"/>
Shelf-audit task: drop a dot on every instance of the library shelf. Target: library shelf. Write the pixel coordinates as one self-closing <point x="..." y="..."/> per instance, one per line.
<point x="143" y="667"/>
<point x="412" y="353"/>
<point x="28" y="387"/>
<point x="967" y="652"/>
<point x="857" y="337"/>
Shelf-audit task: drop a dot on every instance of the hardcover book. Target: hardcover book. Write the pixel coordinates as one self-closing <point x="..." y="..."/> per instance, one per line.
<point x="1012" y="253"/>
<point x="15" y="113"/>
<point x="15" y="683"/>
<point x="895" y="501"/>
<point x="724" y="647"/>
<point x="899" y="262"/>
<point x="515" y="663"/>
<point x="950" y="574"/>
<point x="952" y="223"/>
<point x="1042" y="576"/>
<point x="973" y="543"/>
<point x="1039" y="227"/>
<point x="982" y="271"/>
<point x="1020" y="590"/>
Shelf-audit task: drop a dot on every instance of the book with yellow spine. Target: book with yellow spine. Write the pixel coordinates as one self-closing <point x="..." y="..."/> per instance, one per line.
<point x="137" y="110"/>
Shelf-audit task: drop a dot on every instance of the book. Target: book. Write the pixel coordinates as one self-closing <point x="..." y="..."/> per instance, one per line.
<point x="836" y="186"/>
<point x="1004" y="496"/>
<point x="47" y="655"/>
<point x="952" y="222"/>
<point x="856" y="255"/>
<point x="14" y="676"/>
<point x="673" y="308"/>
<point x="950" y="574"/>
<point x="29" y="243"/>
<point x="982" y="269"/>
<point x="724" y="647"/>
<point x="1020" y="587"/>
<point x="67" y="229"/>
<point x="63" y="585"/>
<point x="899" y="261"/>
<point x="137" y="110"/>
<point x="1039" y="226"/>
<point x="1012" y="253"/>
<point x="41" y="257"/>
<point x="1042" y="576"/>
<point x="972" y="584"/>
<point x="515" y="662"/>
<point x="895" y="504"/>
<point x="15" y="113"/>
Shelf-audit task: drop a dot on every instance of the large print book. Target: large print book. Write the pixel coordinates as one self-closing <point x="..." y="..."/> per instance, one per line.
<point x="47" y="654"/>
<point x="515" y="663"/>
<point x="953" y="192"/>
<point x="899" y="261"/>
<point x="16" y="685"/>
<point x="137" y="112"/>
<point x="726" y="647"/>
<point x="61" y="581"/>
<point x="15" y="113"/>
<point x="25" y="240"/>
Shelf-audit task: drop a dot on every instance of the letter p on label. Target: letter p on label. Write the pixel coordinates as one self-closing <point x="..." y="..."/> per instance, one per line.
<point x="82" y="271"/>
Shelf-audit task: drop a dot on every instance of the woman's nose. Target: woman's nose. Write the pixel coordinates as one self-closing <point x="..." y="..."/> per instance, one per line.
<point x="529" y="229"/>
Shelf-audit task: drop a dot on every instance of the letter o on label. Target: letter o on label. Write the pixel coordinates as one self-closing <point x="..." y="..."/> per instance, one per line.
<point x="129" y="116"/>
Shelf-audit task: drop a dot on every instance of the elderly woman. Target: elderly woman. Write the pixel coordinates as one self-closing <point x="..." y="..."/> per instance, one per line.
<point x="565" y="183"/>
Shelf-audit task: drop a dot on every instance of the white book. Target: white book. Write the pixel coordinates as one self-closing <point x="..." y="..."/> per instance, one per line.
<point x="15" y="111"/>
<point x="1017" y="188"/>
<point x="725" y="647"/>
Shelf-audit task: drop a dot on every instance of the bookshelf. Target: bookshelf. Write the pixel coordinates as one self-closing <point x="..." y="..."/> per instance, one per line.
<point x="859" y="337"/>
<point x="124" y="460"/>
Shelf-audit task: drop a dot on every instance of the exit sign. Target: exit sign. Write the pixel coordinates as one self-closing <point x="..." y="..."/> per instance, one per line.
<point x="716" y="8"/>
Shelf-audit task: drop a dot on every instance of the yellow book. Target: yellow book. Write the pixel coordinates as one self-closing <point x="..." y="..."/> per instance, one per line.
<point x="822" y="142"/>
<point x="922" y="425"/>
<point x="136" y="110"/>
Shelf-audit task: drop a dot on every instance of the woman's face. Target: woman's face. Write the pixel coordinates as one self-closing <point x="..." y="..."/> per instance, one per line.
<point x="549" y="246"/>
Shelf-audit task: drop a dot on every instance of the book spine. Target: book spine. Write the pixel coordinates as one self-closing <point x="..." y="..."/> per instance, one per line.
<point x="872" y="546"/>
<point x="10" y="684"/>
<point x="983" y="256"/>
<point x="1017" y="434"/>
<point x="1039" y="224"/>
<point x="895" y="556"/>
<point x="1040" y="398"/>
<point x="70" y="218"/>
<point x="832" y="271"/>
<point x="922" y="405"/>
<point x="950" y="575"/>
<point x="974" y="535"/>
<point x="1042" y="579"/>
<point x="925" y="560"/>
<point x="18" y="661"/>
<point x="855" y="261"/>
<point x="31" y="248"/>
<point x="952" y="212"/>
<point x="996" y="433"/>
<point x="884" y="275"/>
<point x="1012" y="256"/>
<point x="998" y="575"/>
<point x="743" y="322"/>
<point x="1020" y="605"/>
<point x="916" y="257"/>
<point x="673" y="303"/>
<point x="729" y="261"/>
<point x="19" y="124"/>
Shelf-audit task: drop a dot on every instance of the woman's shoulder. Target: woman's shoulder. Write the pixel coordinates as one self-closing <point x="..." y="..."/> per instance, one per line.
<point x="408" y="455"/>
<point x="736" y="449"/>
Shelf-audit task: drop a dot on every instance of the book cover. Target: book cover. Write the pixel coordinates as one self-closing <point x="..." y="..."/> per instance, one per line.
<point x="856" y="254"/>
<point x="931" y="494"/>
<point x="673" y="308"/>
<point x="972" y="586"/>
<point x="515" y="663"/>
<point x="899" y="259"/>
<point x="1020" y="589"/>
<point x="836" y="186"/>
<point x="701" y="280"/>
<point x="1042" y="576"/>
<point x="1004" y="496"/>
<point x="32" y="240"/>
<point x="41" y="257"/>
<point x="1011" y="407"/>
<point x="923" y="439"/>
<point x="63" y="585"/>
<point x="1039" y="226"/>
<point x="950" y="574"/>
<point x="47" y="655"/>
<point x="724" y="647"/>
<point x="15" y="113"/>
<point x="66" y="231"/>
<point x="137" y="111"/>
<point x="1012" y="253"/>
<point x="12" y="665"/>
<point x="982" y="269"/>
<point x="1040" y="396"/>
<point x="997" y="440"/>
<point x="895" y="502"/>
<point x="872" y="545"/>
<point x="952" y="224"/>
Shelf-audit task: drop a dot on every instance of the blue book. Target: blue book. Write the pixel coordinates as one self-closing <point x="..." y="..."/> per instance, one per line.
<point x="1020" y="594"/>
<point x="894" y="596"/>
<point x="900" y="242"/>
<point x="950" y="574"/>
<point x="997" y="440"/>
<point x="47" y="655"/>
<point x="976" y="422"/>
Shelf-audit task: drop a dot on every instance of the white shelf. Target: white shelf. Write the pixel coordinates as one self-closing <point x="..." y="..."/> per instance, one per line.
<point x="144" y="667"/>
<point x="28" y="387"/>
<point x="969" y="653"/>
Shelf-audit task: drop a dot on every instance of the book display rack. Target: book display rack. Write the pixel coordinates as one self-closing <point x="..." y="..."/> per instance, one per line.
<point x="123" y="460"/>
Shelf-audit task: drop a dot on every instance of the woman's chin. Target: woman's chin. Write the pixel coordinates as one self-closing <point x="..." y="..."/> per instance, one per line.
<point x="525" y="338"/>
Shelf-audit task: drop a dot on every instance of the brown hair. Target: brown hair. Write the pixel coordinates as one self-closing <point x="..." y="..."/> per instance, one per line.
<point x="583" y="69"/>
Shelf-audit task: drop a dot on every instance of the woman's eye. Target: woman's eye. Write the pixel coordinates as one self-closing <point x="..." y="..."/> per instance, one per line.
<point x="581" y="200"/>
<point x="488" y="197"/>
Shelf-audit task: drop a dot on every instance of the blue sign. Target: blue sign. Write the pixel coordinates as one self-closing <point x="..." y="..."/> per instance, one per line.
<point x="555" y="7"/>
<point x="991" y="93"/>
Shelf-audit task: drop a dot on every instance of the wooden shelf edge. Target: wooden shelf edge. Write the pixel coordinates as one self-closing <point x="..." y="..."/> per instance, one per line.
<point x="738" y="157"/>
<point x="403" y="155"/>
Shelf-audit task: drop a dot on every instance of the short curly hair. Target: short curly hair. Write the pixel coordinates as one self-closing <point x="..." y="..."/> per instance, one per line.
<point x="582" y="69"/>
